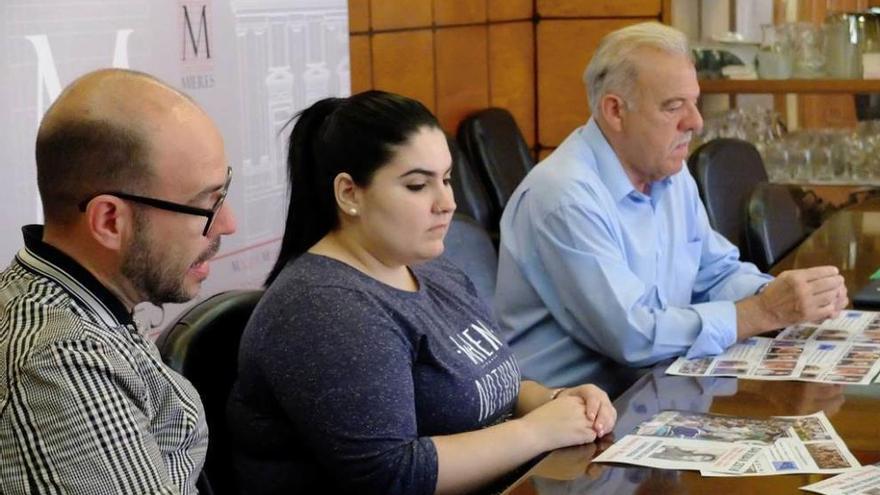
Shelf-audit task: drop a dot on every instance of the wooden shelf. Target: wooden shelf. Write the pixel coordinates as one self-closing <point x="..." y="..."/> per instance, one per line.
<point x="782" y="86"/>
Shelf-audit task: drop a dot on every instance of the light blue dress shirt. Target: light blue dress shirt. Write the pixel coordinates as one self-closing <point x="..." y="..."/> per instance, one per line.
<point x="596" y="278"/>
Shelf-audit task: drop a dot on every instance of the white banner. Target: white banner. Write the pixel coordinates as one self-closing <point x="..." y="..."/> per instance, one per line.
<point x="251" y="64"/>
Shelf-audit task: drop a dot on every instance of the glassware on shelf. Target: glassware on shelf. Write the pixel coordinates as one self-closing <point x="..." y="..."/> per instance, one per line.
<point x="774" y="54"/>
<point x="820" y="163"/>
<point x="839" y="163"/>
<point x="758" y="126"/>
<point x="809" y="58"/>
<point x="776" y="162"/>
<point x="869" y="133"/>
<point x="821" y="155"/>
<point x="869" y="23"/>
<point x="799" y="165"/>
<point x="815" y="156"/>
<point x="843" y="47"/>
<point x="855" y="156"/>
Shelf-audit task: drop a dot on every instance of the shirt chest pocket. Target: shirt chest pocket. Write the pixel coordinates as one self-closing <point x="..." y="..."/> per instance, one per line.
<point x="683" y="269"/>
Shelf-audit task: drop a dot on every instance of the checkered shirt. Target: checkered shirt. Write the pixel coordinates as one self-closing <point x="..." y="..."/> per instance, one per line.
<point x="86" y="404"/>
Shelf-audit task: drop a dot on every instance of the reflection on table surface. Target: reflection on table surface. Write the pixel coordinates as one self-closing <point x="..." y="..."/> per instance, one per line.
<point x="849" y="240"/>
<point x="853" y="410"/>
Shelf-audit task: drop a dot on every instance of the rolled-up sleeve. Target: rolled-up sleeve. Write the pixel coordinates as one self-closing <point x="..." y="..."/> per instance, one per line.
<point x="718" y="322"/>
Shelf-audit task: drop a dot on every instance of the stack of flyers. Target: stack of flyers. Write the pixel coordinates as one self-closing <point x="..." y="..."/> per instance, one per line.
<point x="719" y="445"/>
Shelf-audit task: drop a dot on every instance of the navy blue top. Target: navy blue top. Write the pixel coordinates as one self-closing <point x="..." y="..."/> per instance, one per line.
<point x="343" y="379"/>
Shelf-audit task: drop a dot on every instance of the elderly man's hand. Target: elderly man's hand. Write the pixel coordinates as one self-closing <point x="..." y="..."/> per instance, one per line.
<point x="809" y="294"/>
<point x="795" y="296"/>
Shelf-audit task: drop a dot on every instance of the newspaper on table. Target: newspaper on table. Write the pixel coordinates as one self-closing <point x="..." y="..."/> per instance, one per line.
<point x="842" y="350"/>
<point x="861" y="481"/>
<point x="719" y="445"/>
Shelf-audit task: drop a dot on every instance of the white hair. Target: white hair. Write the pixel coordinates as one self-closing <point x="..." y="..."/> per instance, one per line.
<point x="613" y="67"/>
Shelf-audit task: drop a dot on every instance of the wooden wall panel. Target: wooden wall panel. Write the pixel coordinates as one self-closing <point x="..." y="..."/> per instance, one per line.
<point x="506" y="10"/>
<point x="459" y="11"/>
<point x="815" y="11"/>
<point x="462" y="73"/>
<point x="837" y="5"/>
<point x="564" y="48"/>
<point x="457" y="56"/>
<point x="821" y="111"/>
<point x="666" y="12"/>
<point x="599" y="8"/>
<point x="403" y="62"/>
<point x="361" y="63"/>
<point x="358" y="16"/>
<point x="395" y="14"/>
<point x="512" y="73"/>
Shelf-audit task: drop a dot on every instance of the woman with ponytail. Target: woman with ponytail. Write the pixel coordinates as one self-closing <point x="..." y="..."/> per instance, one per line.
<point x="370" y="364"/>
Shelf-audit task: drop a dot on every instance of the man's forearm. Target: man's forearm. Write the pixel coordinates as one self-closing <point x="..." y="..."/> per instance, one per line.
<point x="752" y="318"/>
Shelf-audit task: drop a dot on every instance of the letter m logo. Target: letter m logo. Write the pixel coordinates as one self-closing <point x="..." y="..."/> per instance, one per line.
<point x="196" y="40"/>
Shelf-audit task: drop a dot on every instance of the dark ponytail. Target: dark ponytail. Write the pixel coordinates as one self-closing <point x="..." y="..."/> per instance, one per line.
<point x="355" y="135"/>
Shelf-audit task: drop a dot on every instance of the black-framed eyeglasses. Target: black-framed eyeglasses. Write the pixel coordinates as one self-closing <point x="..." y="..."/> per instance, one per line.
<point x="210" y="214"/>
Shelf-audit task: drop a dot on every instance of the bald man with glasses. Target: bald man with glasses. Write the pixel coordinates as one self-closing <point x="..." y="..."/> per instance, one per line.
<point x="132" y="176"/>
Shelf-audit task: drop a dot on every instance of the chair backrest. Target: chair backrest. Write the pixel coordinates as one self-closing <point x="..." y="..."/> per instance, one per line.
<point x="471" y="197"/>
<point x="470" y="248"/>
<point x="495" y="147"/>
<point x="726" y="171"/>
<point x="202" y="345"/>
<point x="776" y="224"/>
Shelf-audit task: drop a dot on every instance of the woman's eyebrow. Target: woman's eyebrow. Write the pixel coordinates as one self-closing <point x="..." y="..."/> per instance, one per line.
<point x="422" y="171"/>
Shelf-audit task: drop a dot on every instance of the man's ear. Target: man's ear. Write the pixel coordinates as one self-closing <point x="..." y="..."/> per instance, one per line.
<point x="110" y="220"/>
<point x="613" y="108"/>
<point x="348" y="194"/>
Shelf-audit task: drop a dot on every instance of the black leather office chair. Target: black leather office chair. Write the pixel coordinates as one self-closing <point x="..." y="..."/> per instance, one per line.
<point x="776" y="224"/>
<point x="495" y="147"/>
<point x="202" y="345"/>
<point x="726" y="170"/>
<point x="471" y="197"/>
<point x="470" y="248"/>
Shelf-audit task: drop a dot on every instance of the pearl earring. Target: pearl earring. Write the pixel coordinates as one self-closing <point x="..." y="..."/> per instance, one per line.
<point x="353" y="211"/>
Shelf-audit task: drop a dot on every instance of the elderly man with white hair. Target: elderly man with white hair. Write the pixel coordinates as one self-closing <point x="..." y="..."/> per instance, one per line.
<point x="607" y="260"/>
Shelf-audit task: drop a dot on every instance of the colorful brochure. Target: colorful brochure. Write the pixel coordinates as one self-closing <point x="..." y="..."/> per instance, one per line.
<point x="719" y="445"/>
<point x="843" y="350"/>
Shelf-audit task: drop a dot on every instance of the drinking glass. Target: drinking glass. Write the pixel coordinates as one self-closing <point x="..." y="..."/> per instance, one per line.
<point x="776" y="162"/>
<point x="809" y="58"/>
<point x="774" y="54"/>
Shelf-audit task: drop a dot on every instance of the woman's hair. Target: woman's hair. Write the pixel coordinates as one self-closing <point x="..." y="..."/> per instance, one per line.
<point x="355" y="135"/>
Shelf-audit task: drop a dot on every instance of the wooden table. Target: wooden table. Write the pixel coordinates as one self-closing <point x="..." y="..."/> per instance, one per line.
<point x="850" y="240"/>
